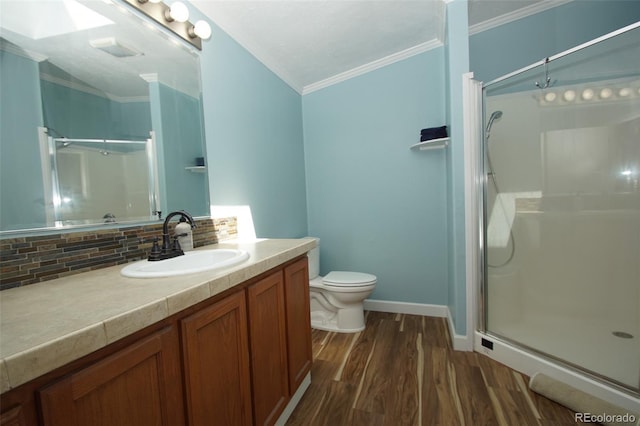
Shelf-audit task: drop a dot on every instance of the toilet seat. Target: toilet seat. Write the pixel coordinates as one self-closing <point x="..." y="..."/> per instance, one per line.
<point x="348" y="279"/>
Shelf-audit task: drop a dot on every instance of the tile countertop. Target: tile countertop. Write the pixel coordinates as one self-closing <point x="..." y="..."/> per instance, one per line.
<point x="47" y="325"/>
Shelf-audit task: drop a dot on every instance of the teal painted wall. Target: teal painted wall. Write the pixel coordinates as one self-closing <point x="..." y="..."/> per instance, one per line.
<point x="457" y="64"/>
<point x="19" y="147"/>
<point x="74" y="114"/>
<point x="376" y="205"/>
<point x="509" y="47"/>
<point x="181" y="136"/>
<point x="77" y="114"/>
<point x="255" y="152"/>
<point x="133" y="118"/>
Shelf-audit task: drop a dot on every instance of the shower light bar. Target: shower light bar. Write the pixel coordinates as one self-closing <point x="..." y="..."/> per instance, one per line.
<point x="609" y="91"/>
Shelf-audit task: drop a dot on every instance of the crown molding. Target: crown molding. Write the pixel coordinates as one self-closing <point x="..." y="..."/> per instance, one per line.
<point x="371" y="66"/>
<point x="151" y="77"/>
<point x="271" y="64"/>
<point x="18" y="51"/>
<point x="266" y="60"/>
<point x="515" y="15"/>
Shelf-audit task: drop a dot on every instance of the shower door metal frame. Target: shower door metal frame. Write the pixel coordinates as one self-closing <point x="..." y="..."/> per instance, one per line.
<point x="567" y="52"/>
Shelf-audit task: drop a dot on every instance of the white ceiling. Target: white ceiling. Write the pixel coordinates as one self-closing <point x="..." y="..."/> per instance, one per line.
<point x="62" y="31"/>
<point x="308" y="42"/>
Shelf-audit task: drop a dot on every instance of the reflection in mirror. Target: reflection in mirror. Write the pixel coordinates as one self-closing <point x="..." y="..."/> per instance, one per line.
<point x="101" y="117"/>
<point x="106" y="179"/>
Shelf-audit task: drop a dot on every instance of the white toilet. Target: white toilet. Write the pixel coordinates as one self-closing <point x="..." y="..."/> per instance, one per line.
<point x="336" y="299"/>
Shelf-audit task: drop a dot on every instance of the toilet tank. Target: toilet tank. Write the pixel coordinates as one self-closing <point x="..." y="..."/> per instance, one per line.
<point x="314" y="259"/>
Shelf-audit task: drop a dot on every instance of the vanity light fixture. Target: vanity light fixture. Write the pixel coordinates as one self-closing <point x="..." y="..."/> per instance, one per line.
<point x="175" y="18"/>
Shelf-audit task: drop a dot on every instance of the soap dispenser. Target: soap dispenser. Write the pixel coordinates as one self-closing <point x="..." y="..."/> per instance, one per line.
<point x="186" y="241"/>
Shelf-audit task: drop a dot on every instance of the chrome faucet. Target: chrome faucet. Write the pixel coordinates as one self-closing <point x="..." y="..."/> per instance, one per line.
<point x="169" y="250"/>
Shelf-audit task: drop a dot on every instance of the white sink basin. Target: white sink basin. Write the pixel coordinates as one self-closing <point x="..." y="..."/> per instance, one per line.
<point x="191" y="262"/>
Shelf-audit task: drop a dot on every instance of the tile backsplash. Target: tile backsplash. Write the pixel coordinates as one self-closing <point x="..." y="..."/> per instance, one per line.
<point x="29" y="260"/>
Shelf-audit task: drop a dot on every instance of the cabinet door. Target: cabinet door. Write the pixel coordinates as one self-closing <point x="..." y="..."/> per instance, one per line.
<point x="216" y="364"/>
<point x="139" y="385"/>
<point x="296" y="290"/>
<point x="268" y="348"/>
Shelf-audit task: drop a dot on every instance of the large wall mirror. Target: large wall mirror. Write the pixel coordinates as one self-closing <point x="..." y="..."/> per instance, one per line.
<point x="101" y="117"/>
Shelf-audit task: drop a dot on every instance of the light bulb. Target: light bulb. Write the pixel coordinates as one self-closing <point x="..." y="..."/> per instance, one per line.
<point x="569" y="95"/>
<point x="155" y="1"/>
<point x="606" y="93"/>
<point x="588" y="94"/>
<point x="624" y="92"/>
<point x="550" y="97"/>
<point x="178" y="12"/>
<point x="202" y="30"/>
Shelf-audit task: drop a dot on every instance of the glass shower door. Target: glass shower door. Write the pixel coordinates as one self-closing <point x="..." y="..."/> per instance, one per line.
<point x="562" y="209"/>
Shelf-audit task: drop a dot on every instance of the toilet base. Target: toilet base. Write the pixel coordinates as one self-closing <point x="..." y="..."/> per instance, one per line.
<point x="330" y="321"/>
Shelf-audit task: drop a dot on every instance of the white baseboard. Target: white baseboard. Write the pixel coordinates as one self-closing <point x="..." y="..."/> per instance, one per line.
<point x="406" y="308"/>
<point x="295" y="399"/>
<point x="460" y="342"/>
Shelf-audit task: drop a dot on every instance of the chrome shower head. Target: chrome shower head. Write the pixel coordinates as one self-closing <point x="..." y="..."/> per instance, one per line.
<point x="495" y="115"/>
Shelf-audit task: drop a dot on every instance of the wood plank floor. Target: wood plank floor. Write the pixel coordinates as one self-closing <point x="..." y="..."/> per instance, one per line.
<point x="402" y="370"/>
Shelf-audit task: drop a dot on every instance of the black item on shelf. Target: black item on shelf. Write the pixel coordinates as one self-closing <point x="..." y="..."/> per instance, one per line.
<point x="433" y="133"/>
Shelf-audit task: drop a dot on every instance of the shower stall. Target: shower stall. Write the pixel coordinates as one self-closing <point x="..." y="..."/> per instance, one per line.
<point x="560" y="243"/>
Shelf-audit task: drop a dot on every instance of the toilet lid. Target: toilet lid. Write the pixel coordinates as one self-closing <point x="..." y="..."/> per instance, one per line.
<point x="346" y="279"/>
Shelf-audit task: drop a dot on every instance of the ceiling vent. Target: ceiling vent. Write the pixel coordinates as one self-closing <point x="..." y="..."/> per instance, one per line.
<point x="111" y="46"/>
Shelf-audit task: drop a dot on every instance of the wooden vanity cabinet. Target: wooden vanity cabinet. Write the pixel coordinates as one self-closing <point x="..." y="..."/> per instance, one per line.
<point x="235" y="359"/>
<point x="216" y="364"/>
<point x="139" y="385"/>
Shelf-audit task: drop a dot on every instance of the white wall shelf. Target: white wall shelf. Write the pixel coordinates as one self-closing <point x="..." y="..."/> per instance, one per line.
<point x="196" y="169"/>
<point x="431" y="144"/>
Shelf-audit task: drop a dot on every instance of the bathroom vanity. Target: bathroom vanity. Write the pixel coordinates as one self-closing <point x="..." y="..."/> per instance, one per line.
<point x="219" y="347"/>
